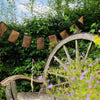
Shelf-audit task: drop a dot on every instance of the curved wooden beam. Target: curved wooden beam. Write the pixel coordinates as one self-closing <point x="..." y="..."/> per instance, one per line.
<point x="6" y="81"/>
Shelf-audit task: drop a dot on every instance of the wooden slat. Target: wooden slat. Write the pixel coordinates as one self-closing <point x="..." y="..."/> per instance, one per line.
<point x="3" y="28"/>
<point x="67" y="54"/>
<point x="77" y="51"/>
<point x="14" y="90"/>
<point x="59" y="61"/>
<point x="88" y="50"/>
<point x="13" y="36"/>
<point x="57" y="74"/>
<point x="26" y="41"/>
<point x="8" y="92"/>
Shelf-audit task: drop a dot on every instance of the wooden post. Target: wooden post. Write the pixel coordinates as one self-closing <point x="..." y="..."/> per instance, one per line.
<point x="14" y="90"/>
<point x="8" y="92"/>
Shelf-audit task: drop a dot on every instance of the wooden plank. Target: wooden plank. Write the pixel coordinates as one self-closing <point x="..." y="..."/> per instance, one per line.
<point x="8" y="92"/>
<point x="26" y="41"/>
<point x="40" y="43"/>
<point x="77" y="51"/>
<point x="34" y="96"/>
<point x="13" y="36"/>
<point x="3" y="28"/>
<point x="14" y="90"/>
<point x="64" y="34"/>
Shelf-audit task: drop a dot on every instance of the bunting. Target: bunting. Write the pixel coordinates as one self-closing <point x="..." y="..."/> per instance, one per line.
<point x="40" y="41"/>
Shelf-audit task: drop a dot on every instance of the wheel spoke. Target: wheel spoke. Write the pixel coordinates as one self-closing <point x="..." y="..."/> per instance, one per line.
<point x="67" y="53"/>
<point x="59" y="61"/>
<point x="77" y="51"/>
<point x="88" y="50"/>
<point x="57" y="74"/>
<point x="61" y="83"/>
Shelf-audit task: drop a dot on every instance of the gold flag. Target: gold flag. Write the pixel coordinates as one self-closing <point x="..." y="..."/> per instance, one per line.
<point x="13" y="36"/>
<point x="3" y="28"/>
<point x="26" y="41"/>
<point x="40" y="43"/>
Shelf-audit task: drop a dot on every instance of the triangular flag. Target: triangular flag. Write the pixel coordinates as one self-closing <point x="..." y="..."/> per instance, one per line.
<point x="81" y="19"/>
<point x="64" y="34"/>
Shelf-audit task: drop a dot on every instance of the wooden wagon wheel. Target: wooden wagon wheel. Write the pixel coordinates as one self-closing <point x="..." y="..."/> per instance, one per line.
<point x="81" y="36"/>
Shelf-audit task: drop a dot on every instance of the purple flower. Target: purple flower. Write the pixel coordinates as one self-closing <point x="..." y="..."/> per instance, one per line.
<point x="31" y="68"/>
<point x="40" y="77"/>
<point x="72" y="78"/>
<point x="48" y="67"/>
<point x="62" y="59"/>
<point x="99" y="30"/>
<point x="74" y="51"/>
<point x="85" y="61"/>
<point x="89" y="95"/>
<point x="65" y="68"/>
<point x="71" y="70"/>
<point x="48" y="80"/>
<point x="67" y="63"/>
<point x="84" y="72"/>
<point x="94" y="63"/>
<point x="50" y="86"/>
<point x="59" y="66"/>
<point x="94" y="86"/>
<point x="98" y="82"/>
<point x="54" y="59"/>
<point x="68" y="95"/>
<point x="59" y="88"/>
<point x="81" y="60"/>
<point x="11" y="99"/>
<point x="92" y="77"/>
<point x="90" y="86"/>
<point x="89" y="65"/>
<point x="97" y="59"/>
<point x="82" y="53"/>
<point x="87" y="98"/>
<point x="81" y="78"/>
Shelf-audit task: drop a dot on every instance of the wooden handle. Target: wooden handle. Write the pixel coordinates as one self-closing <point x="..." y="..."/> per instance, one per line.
<point x="6" y="81"/>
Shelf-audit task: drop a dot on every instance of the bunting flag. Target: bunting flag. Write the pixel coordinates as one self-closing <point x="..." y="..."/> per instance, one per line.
<point x="78" y="25"/>
<point x="40" y="40"/>
<point x="13" y="36"/>
<point x="53" y="40"/>
<point x="40" y="43"/>
<point x="3" y="28"/>
<point x="81" y="20"/>
<point x="64" y="34"/>
<point x="26" y="41"/>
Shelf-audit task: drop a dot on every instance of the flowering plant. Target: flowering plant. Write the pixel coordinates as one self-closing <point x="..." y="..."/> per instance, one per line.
<point x="82" y="83"/>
